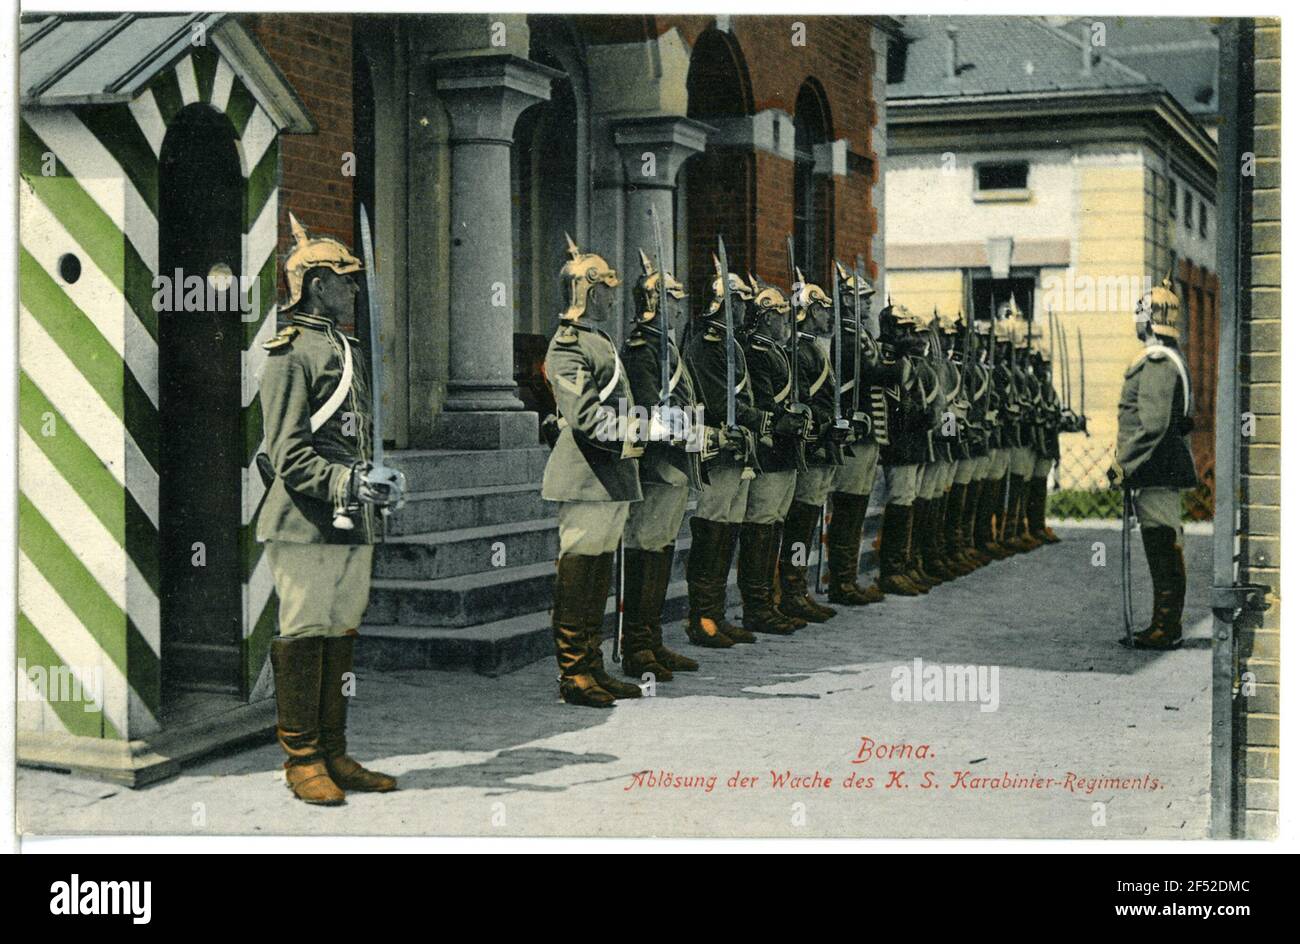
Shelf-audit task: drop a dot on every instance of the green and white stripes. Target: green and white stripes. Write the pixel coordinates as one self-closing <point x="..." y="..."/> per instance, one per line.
<point x="88" y="389"/>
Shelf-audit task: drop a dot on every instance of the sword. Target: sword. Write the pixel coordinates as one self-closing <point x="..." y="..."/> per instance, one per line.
<point x="1126" y="566"/>
<point x="380" y="478"/>
<point x="837" y="354"/>
<point x="618" y="597"/>
<point x="857" y="335"/>
<point x="1083" y="389"/>
<point x="796" y="406"/>
<point x="731" y="343"/>
<point x="665" y="395"/>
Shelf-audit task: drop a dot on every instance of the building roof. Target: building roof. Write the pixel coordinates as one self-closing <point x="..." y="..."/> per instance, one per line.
<point x="1018" y="54"/>
<point x="105" y="58"/>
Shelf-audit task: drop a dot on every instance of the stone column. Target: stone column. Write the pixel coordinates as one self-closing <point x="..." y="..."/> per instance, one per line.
<point x="484" y="96"/>
<point x="652" y="151"/>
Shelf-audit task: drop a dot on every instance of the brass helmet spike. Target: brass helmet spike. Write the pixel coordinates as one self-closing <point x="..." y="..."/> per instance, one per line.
<point x="735" y="284"/>
<point x="308" y="253"/>
<point x="1164" y="309"/>
<point x="582" y="273"/>
<point x="646" y="290"/>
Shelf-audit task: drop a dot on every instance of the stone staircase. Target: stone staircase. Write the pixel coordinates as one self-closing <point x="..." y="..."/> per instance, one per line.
<point x="464" y="580"/>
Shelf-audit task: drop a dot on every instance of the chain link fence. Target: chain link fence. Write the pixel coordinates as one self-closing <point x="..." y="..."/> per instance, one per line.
<point x="1079" y="488"/>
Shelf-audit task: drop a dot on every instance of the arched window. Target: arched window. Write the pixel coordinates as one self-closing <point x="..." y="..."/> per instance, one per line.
<point x="812" y="192"/>
<point x="719" y="183"/>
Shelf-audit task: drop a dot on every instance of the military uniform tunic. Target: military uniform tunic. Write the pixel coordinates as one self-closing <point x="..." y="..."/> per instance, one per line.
<point x="667" y="469"/>
<point x="321" y="573"/>
<point x="1155" y="416"/>
<point x="771" y="493"/>
<point x="857" y="475"/>
<point x="817" y="389"/>
<point x="726" y="490"/>
<point x="592" y="469"/>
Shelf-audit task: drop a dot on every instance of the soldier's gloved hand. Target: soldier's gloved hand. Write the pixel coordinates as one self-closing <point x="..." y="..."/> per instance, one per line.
<point x="861" y="426"/>
<point x="791" y="423"/>
<point x="735" y="439"/>
<point x="1115" y="474"/>
<point x="381" y="486"/>
<point x="839" y="432"/>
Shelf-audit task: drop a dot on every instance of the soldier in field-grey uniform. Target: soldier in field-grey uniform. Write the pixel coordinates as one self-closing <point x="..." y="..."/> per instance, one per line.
<point x="318" y="520"/>
<point x="1152" y="457"/>
<point x="592" y="473"/>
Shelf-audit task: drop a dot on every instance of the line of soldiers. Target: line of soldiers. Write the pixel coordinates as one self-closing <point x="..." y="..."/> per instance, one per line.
<point x="777" y="407"/>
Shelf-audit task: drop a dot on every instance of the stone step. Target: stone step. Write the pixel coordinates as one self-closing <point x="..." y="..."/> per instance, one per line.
<point x="469" y="599"/>
<point x="472" y="507"/>
<point x="431" y="470"/>
<point x="389" y="640"/>
<point x="434" y="555"/>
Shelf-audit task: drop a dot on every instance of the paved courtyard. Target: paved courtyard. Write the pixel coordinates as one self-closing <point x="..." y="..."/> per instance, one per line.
<point x="1087" y="739"/>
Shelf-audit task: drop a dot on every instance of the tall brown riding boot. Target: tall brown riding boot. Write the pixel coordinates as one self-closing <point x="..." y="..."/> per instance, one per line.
<point x="1169" y="589"/>
<point x="844" y="544"/>
<point x="296" y="664"/>
<point x="800" y="527"/>
<point x="932" y="546"/>
<point x="639" y="568"/>
<point x="596" y="598"/>
<point x="706" y="586"/>
<point x="970" y="514"/>
<point x="775" y="543"/>
<point x="658" y="586"/>
<point x="754" y="579"/>
<point x="989" y="520"/>
<point x="893" y="552"/>
<point x="569" y="626"/>
<point x="737" y="634"/>
<point x="916" y="535"/>
<point x="336" y="662"/>
<point x="954" y="523"/>
<point x="1036" y="512"/>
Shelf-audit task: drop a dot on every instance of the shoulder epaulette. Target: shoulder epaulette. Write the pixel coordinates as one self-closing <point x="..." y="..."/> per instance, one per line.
<point x="284" y="338"/>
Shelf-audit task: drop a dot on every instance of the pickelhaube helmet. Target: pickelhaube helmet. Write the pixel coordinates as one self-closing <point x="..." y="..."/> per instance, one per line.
<point x="646" y="291"/>
<point x="1161" y="307"/>
<point x="897" y="319"/>
<point x="805" y="294"/>
<point x="848" y="283"/>
<point x="582" y="273"/>
<point x="767" y="299"/>
<point x="308" y="253"/>
<point x="735" y="285"/>
<point x="948" y="324"/>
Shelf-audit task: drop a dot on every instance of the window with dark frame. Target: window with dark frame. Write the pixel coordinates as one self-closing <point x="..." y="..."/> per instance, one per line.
<point x="1204" y="221"/>
<point x="1003" y="175"/>
<point x="1173" y="198"/>
<point x="1187" y="209"/>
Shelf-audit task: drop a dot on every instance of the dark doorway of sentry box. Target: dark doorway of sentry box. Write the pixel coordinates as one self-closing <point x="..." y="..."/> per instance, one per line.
<point x="200" y="219"/>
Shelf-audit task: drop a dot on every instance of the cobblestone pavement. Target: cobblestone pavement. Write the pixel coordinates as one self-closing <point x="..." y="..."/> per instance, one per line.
<point x="503" y="757"/>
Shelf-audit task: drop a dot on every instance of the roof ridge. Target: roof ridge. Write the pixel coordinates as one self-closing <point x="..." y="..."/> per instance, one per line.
<point x="1073" y="40"/>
